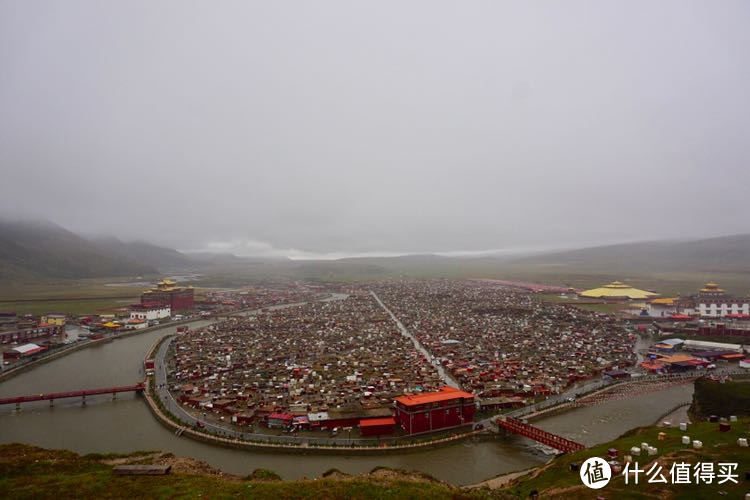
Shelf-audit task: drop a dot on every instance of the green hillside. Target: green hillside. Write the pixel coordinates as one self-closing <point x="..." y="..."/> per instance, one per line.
<point x="557" y="480"/>
<point x="31" y="472"/>
<point x="726" y="254"/>
<point x="33" y="250"/>
<point x="161" y="258"/>
<point x="716" y="398"/>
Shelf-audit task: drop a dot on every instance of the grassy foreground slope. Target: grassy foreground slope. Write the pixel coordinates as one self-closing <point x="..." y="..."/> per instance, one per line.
<point x="31" y="472"/>
<point x="557" y="480"/>
<point x="715" y="398"/>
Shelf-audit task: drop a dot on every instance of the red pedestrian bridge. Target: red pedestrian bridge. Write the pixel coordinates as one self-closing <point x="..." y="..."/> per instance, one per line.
<point x="17" y="400"/>
<point x="546" y="438"/>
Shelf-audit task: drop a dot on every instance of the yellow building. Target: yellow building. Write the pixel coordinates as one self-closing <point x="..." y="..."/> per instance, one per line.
<point x="665" y="301"/>
<point x="55" y="319"/>
<point x="617" y="291"/>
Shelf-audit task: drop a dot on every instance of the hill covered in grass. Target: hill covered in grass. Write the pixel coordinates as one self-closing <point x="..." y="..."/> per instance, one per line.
<point x="31" y="472"/>
<point x="725" y="254"/>
<point x="43" y="250"/>
<point x="716" y="398"/>
<point x="557" y="480"/>
<point x="163" y="259"/>
<point x="32" y="251"/>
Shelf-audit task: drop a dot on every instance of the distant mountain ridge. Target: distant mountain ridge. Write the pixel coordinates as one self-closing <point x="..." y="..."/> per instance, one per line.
<point x="725" y="254"/>
<point x="161" y="258"/>
<point x="41" y="249"/>
<point x="34" y="250"/>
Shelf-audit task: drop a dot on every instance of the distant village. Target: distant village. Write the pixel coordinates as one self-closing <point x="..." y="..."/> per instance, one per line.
<point x="23" y="338"/>
<point x="470" y="346"/>
<point x="699" y="330"/>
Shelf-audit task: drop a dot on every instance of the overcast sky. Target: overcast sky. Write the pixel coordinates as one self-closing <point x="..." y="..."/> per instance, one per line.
<point x="340" y="127"/>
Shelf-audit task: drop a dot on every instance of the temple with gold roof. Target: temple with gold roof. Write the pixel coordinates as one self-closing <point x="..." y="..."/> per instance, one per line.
<point x="711" y="301"/>
<point x="168" y="293"/>
<point x="617" y="290"/>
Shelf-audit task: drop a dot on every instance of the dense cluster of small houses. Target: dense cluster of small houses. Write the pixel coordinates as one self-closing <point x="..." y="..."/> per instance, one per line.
<point x="503" y="343"/>
<point x="314" y="365"/>
<point x="335" y="363"/>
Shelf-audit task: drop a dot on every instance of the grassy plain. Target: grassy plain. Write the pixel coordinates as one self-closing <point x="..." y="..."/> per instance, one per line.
<point x="70" y="307"/>
<point x="66" y="290"/>
<point x="70" y="297"/>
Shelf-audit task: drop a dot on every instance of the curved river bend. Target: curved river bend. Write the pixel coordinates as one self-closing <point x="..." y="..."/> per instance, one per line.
<point x="124" y="425"/>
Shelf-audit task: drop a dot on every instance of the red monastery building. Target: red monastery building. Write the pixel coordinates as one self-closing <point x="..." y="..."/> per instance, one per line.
<point x="431" y="411"/>
<point x="167" y="293"/>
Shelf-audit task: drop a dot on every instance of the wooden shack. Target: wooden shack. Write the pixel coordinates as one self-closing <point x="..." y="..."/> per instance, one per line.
<point x="142" y="470"/>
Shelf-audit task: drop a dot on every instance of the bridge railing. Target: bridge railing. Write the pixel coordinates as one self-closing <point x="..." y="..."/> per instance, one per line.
<point x="51" y="396"/>
<point x="547" y="438"/>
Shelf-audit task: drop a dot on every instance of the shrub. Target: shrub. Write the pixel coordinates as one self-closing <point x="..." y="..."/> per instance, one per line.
<point x="263" y="475"/>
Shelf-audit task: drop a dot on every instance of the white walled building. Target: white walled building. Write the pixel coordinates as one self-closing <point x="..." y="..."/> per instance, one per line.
<point x="720" y="309"/>
<point x="713" y="302"/>
<point x="150" y="313"/>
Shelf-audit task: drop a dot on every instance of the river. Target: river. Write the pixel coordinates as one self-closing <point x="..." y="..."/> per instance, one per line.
<point x="124" y="425"/>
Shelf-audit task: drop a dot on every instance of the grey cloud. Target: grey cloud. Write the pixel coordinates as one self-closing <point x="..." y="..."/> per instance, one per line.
<point x="336" y="128"/>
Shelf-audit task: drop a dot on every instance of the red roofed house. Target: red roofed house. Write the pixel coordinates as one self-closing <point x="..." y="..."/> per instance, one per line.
<point x="280" y="420"/>
<point x="23" y="351"/>
<point x="431" y="411"/>
<point x="377" y="426"/>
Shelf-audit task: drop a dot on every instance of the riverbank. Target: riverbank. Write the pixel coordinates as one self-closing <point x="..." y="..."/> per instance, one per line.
<point x="29" y="471"/>
<point x="85" y="344"/>
<point x="678" y="413"/>
<point x="181" y="429"/>
<point x="558" y="480"/>
<point x="127" y="424"/>
<point x="45" y="358"/>
<point x="186" y="426"/>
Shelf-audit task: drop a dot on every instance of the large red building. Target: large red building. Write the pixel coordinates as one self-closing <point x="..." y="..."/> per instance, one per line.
<point x="431" y="411"/>
<point x="166" y="292"/>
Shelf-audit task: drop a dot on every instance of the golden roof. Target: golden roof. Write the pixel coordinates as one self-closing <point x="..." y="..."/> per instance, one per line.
<point x="711" y="287"/>
<point x="667" y="301"/>
<point x="616" y="284"/>
<point x="676" y="358"/>
<point x="165" y="285"/>
<point x="617" y="289"/>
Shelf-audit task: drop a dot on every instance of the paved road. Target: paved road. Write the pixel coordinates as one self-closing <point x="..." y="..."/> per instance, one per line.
<point x="572" y="393"/>
<point x="447" y="378"/>
<point x="177" y="410"/>
<point x="163" y="393"/>
<point x="160" y="379"/>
